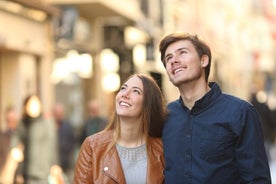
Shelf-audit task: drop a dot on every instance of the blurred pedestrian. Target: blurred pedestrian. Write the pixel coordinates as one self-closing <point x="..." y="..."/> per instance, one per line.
<point x="95" y="122"/>
<point x="209" y="137"/>
<point x="267" y="122"/>
<point x="129" y="149"/>
<point x="9" y="156"/>
<point x="38" y="136"/>
<point x="11" y="121"/>
<point x="66" y="140"/>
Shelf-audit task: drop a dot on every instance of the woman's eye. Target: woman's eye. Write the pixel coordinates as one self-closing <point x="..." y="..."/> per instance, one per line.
<point x="122" y="88"/>
<point x="136" y="91"/>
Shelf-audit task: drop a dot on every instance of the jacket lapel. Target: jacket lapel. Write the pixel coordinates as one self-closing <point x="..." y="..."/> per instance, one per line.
<point x="112" y="166"/>
<point x="155" y="167"/>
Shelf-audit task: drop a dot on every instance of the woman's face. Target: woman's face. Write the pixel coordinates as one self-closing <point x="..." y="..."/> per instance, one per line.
<point x="33" y="107"/>
<point x="129" y="100"/>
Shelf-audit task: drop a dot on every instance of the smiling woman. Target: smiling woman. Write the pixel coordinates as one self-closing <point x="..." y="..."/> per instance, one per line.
<point x="129" y="149"/>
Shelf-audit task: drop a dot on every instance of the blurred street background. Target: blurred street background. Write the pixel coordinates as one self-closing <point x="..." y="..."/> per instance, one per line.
<point x="72" y="51"/>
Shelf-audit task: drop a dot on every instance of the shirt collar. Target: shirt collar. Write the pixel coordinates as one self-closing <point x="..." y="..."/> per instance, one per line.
<point x="206" y="100"/>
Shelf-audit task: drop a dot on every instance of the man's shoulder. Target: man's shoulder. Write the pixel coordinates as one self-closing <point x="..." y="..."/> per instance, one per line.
<point x="67" y="124"/>
<point x="235" y="100"/>
<point x="95" y="119"/>
<point x="175" y="102"/>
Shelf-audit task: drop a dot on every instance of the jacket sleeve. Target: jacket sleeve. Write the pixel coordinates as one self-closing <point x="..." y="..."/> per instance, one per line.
<point x="250" y="152"/>
<point x="83" y="171"/>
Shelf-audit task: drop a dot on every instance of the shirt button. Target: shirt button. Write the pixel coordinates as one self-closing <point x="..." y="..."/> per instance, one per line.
<point x="105" y="168"/>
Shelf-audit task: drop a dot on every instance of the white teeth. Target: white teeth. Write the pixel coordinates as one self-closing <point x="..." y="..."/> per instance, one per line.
<point x="124" y="104"/>
<point x="177" y="70"/>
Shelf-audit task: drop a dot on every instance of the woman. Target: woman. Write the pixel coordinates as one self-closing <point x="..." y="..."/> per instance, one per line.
<point x="129" y="149"/>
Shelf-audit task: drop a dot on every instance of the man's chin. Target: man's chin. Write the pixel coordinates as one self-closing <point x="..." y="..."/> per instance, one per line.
<point x="175" y="82"/>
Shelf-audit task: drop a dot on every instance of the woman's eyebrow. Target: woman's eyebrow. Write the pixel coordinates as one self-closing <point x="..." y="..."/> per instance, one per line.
<point x="135" y="87"/>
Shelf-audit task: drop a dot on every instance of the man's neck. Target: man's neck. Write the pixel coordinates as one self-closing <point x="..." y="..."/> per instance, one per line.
<point x="191" y="92"/>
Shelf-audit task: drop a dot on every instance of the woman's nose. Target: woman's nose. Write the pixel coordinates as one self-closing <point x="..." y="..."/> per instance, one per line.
<point x="125" y="94"/>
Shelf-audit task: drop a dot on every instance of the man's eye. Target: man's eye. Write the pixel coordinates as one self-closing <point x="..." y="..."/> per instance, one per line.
<point x="168" y="59"/>
<point x="183" y="52"/>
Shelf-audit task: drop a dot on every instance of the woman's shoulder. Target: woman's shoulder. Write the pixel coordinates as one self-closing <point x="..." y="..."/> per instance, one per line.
<point x="155" y="142"/>
<point x="100" y="139"/>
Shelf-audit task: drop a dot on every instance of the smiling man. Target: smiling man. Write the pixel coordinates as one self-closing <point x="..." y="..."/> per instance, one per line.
<point x="209" y="137"/>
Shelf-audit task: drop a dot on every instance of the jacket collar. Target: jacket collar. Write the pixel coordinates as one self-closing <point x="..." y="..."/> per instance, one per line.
<point x="112" y="165"/>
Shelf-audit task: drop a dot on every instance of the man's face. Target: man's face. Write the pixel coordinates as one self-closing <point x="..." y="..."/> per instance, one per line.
<point x="183" y="64"/>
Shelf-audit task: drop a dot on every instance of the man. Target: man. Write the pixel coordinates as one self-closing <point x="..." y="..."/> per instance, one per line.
<point x="9" y="162"/>
<point x="95" y="122"/>
<point x="209" y="137"/>
<point x="268" y="126"/>
<point x="66" y="140"/>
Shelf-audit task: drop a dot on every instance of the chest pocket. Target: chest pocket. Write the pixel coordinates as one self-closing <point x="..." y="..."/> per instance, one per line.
<point x="217" y="144"/>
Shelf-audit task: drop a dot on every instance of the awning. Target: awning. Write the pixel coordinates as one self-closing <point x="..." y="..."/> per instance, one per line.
<point x="91" y="9"/>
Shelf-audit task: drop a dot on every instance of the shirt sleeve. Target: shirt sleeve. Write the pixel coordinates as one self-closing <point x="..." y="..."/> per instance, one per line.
<point x="250" y="151"/>
<point x="83" y="170"/>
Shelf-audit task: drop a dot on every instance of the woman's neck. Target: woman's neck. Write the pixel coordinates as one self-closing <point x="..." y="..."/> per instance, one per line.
<point x="131" y="134"/>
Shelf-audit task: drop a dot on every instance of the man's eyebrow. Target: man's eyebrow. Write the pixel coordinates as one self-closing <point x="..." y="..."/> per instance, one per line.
<point x="177" y="50"/>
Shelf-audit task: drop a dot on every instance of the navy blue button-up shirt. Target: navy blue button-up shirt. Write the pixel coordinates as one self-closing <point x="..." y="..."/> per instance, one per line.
<point x="218" y="141"/>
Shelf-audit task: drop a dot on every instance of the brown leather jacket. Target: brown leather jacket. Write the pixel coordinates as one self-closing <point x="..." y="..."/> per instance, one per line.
<point x="94" y="166"/>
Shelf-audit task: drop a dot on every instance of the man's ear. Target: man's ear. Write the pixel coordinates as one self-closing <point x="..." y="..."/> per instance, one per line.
<point x="204" y="60"/>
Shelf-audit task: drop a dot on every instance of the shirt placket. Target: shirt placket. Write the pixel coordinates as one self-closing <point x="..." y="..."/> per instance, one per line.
<point x="188" y="148"/>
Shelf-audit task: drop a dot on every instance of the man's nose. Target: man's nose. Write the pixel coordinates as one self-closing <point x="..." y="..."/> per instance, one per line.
<point x="175" y="59"/>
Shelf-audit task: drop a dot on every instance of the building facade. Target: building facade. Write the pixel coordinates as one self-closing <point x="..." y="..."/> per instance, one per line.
<point x="25" y="54"/>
